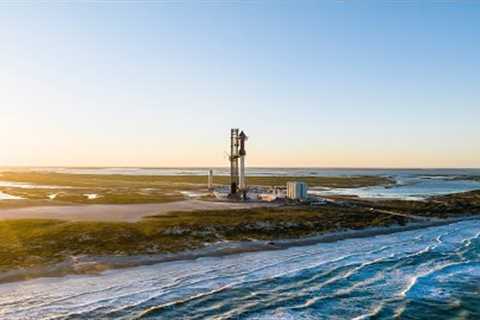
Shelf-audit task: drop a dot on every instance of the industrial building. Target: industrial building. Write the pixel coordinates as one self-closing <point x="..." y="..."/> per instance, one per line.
<point x="297" y="190"/>
<point x="238" y="188"/>
<point x="210" y="180"/>
<point x="275" y="195"/>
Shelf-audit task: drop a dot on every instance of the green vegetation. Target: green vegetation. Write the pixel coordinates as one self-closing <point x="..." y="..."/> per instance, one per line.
<point x="130" y="181"/>
<point x="105" y="195"/>
<point x="128" y="189"/>
<point x="101" y="181"/>
<point x="29" y="243"/>
<point x="11" y="204"/>
<point x="467" y="203"/>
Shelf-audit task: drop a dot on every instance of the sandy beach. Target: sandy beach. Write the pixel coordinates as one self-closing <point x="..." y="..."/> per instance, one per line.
<point x="98" y="264"/>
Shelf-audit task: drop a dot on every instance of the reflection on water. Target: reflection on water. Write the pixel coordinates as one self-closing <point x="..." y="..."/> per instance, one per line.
<point x="321" y="172"/>
<point x="432" y="273"/>
<point x="91" y="196"/>
<point x="4" y="196"/>
<point x="411" y="184"/>
<point x="411" y="188"/>
<point x="23" y="185"/>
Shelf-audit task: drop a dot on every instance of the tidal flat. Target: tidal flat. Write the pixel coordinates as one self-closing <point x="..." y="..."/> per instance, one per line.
<point x="53" y="188"/>
<point x="41" y="234"/>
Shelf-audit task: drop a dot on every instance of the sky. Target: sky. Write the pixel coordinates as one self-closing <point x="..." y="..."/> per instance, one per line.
<point x="312" y="83"/>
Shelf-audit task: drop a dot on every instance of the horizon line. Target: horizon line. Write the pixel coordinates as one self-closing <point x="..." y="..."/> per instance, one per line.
<point x="251" y="167"/>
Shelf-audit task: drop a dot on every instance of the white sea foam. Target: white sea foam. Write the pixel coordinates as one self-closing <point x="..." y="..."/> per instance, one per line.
<point x="354" y="278"/>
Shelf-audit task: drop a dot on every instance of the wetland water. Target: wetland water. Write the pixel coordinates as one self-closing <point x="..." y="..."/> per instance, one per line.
<point x="429" y="273"/>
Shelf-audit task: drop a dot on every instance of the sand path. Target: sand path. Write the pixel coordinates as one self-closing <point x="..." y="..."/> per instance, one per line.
<point x="128" y="213"/>
<point x="406" y="215"/>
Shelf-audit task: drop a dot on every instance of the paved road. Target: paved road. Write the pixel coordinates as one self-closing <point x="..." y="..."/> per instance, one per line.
<point x="107" y="212"/>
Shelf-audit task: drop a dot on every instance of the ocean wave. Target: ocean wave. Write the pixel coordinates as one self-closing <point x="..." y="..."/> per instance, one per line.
<point x="434" y="270"/>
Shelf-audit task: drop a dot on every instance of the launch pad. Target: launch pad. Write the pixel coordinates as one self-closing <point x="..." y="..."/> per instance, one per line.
<point x="238" y="188"/>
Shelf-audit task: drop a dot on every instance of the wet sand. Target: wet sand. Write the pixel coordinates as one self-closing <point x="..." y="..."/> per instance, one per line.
<point x="125" y="213"/>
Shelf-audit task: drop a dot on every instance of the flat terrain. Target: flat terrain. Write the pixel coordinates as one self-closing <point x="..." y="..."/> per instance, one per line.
<point x="31" y="243"/>
<point x="125" y="213"/>
<point x="59" y="188"/>
<point x="140" y="215"/>
<point x="93" y="180"/>
<point x="439" y="206"/>
<point x="37" y="243"/>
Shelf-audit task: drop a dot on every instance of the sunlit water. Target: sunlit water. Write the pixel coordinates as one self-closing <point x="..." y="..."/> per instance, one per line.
<point x="5" y="196"/>
<point x="412" y="184"/>
<point x="407" y="188"/>
<point x="23" y="185"/>
<point x="263" y="171"/>
<point x="430" y="273"/>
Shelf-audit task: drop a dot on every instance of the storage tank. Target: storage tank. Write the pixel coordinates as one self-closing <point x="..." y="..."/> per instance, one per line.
<point x="210" y="179"/>
<point x="297" y="190"/>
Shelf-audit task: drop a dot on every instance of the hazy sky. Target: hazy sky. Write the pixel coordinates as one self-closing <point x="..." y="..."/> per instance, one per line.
<point x="313" y="83"/>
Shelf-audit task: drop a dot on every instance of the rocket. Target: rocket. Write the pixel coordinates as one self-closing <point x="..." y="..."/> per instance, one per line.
<point x="242" y="153"/>
<point x="237" y="172"/>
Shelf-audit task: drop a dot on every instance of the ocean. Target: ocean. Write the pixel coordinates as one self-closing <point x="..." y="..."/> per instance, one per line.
<point x="256" y="171"/>
<point x="430" y="273"/>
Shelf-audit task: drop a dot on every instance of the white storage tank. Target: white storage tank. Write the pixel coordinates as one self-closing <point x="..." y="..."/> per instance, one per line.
<point x="210" y="180"/>
<point x="297" y="190"/>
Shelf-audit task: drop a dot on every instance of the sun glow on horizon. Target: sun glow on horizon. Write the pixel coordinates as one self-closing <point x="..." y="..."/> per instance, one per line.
<point x="161" y="85"/>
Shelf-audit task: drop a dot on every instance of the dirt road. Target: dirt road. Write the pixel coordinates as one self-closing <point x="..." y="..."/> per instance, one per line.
<point x="128" y="213"/>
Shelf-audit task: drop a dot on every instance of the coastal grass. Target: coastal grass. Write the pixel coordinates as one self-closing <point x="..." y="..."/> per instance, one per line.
<point x="129" y="189"/>
<point x="465" y="203"/>
<point x="133" y="181"/>
<point x="79" y="196"/>
<point x="22" y="203"/>
<point x="31" y="243"/>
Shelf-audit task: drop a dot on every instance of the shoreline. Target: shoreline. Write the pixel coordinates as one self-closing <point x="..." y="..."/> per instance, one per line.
<point x="84" y="265"/>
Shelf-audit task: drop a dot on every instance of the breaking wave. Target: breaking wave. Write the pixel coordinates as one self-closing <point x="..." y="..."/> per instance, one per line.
<point x="432" y="272"/>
